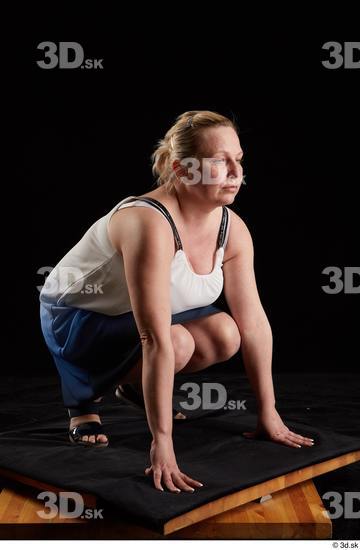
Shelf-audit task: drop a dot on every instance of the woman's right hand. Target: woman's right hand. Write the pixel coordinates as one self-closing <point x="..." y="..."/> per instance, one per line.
<point x="165" y="469"/>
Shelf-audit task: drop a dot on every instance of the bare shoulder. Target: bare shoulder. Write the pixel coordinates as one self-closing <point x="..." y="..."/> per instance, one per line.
<point x="240" y="240"/>
<point x="130" y="224"/>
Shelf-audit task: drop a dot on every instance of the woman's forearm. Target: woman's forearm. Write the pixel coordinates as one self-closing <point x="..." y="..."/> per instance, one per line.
<point x="257" y="348"/>
<point x="158" y="381"/>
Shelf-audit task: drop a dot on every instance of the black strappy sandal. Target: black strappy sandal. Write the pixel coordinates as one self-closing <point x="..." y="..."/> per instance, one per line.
<point x="87" y="428"/>
<point x="129" y="395"/>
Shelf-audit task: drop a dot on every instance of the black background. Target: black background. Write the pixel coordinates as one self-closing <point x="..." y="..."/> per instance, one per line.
<point x="83" y="140"/>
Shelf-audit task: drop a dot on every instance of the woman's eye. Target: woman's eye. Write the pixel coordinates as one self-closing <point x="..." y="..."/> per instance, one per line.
<point x="218" y="161"/>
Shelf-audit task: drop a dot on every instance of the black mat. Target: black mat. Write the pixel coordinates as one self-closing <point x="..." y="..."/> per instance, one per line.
<point x="209" y="447"/>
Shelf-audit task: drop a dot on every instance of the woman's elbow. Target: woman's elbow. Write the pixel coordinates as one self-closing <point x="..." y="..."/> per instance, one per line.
<point x="151" y="338"/>
<point x="257" y="325"/>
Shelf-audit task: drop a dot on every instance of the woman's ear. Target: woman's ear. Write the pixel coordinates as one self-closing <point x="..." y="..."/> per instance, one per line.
<point x="179" y="170"/>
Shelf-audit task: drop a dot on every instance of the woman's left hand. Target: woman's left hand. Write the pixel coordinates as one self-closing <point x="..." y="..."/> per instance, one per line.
<point x="270" y="426"/>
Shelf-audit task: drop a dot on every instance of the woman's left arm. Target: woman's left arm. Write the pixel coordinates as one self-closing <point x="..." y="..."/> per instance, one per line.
<point x="243" y="299"/>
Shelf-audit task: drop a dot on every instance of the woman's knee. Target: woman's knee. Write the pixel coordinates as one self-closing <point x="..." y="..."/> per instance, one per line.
<point x="184" y="345"/>
<point x="226" y="339"/>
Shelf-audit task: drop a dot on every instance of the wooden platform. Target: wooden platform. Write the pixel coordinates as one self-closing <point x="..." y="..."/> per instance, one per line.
<point x="287" y="507"/>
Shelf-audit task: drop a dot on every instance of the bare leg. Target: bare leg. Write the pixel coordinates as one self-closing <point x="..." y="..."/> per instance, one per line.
<point x="134" y="377"/>
<point x="184" y="346"/>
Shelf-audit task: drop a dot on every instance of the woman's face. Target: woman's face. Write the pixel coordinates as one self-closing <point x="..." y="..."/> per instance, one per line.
<point x="217" y="173"/>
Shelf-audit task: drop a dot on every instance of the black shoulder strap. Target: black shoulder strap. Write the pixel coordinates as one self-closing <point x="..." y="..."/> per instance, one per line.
<point x="164" y="211"/>
<point x="223" y="227"/>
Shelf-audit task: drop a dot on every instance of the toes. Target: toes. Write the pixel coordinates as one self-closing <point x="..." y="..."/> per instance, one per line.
<point x="101" y="438"/>
<point x="180" y="416"/>
<point x="93" y="439"/>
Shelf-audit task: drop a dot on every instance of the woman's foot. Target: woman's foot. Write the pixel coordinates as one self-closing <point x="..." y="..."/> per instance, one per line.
<point x="78" y="420"/>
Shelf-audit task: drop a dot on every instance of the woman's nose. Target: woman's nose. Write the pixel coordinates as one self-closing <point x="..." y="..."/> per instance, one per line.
<point x="234" y="168"/>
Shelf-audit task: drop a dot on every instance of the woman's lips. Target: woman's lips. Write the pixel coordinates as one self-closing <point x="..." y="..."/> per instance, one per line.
<point x="230" y="187"/>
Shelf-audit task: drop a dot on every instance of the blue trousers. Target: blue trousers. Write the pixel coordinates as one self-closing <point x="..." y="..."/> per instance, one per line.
<point x="93" y="351"/>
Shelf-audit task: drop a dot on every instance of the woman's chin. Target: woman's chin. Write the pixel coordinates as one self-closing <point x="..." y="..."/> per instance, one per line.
<point x="227" y="197"/>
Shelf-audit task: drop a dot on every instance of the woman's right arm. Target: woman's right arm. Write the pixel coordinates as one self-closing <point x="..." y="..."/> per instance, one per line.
<point x="146" y="243"/>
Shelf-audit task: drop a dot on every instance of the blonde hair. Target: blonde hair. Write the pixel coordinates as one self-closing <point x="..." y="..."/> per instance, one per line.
<point x="181" y="141"/>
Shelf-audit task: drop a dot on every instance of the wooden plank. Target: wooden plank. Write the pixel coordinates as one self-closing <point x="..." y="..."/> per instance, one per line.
<point x="293" y="513"/>
<point x="21" y="507"/>
<point x="296" y="512"/>
<point x="19" y="520"/>
<point x="218" y="506"/>
<point x="89" y="499"/>
<point x="11" y="504"/>
<point x="256" y="491"/>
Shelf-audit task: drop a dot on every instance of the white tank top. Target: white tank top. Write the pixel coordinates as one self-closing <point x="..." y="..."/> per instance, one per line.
<point x="91" y="275"/>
